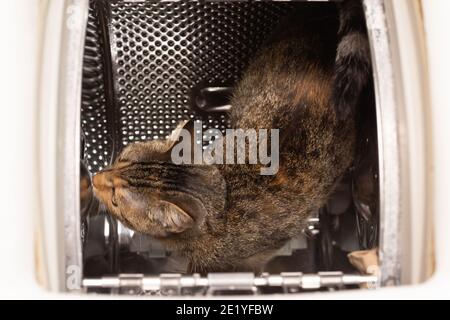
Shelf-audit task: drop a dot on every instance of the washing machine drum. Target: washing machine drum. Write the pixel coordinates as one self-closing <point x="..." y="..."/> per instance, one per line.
<point x="148" y="65"/>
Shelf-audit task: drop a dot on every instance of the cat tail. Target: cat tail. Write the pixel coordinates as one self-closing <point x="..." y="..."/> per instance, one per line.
<point x="352" y="69"/>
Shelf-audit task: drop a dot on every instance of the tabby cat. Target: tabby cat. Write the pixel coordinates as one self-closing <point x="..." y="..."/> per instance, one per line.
<point x="306" y="82"/>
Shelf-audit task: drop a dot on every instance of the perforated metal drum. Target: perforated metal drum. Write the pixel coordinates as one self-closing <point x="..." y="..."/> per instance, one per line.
<point x="145" y="63"/>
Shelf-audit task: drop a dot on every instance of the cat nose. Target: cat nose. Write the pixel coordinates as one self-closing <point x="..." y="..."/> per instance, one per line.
<point x="102" y="180"/>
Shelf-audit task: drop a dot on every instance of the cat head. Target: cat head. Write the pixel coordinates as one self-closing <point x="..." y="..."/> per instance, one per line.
<point x="148" y="193"/>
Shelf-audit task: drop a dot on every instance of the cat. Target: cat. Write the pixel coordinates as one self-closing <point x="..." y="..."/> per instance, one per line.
<point x="307" y="83"/>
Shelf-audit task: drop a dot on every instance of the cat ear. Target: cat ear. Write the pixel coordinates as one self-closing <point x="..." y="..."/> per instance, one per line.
<point x="172" y="218"/>
<point x="187" y="125"/>
<point x="184" y="148"/>
<point x="185" y="210"/>
<point x="178" y="213"/>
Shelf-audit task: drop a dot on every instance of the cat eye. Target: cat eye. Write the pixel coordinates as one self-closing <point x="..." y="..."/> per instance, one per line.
<point x="113" y="197"/>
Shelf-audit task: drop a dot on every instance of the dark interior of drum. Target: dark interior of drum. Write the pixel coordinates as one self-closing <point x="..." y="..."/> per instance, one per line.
<point x="145" y="67"/>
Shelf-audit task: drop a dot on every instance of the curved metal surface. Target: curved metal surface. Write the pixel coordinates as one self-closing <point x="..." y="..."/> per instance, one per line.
<point x="68" y="133"/>
<point x="389" y="127"/>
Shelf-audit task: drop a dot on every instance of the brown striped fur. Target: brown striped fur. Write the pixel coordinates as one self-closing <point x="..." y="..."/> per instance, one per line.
<point x="229" y="217"/>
